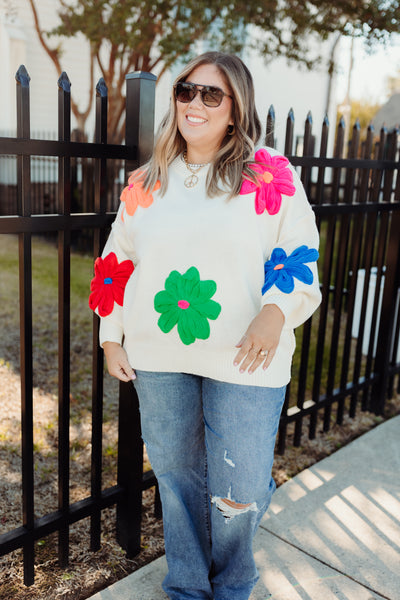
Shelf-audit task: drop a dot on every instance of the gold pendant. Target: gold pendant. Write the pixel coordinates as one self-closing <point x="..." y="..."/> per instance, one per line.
<point x="191" y="181"/>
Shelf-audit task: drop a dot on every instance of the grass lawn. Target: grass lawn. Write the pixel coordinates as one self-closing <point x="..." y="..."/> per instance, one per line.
<point x="45" y="358"/>
<point x="45" y="316"/>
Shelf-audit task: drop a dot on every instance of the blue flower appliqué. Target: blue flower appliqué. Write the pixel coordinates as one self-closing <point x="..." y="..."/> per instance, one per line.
<point x="281" y="269"/>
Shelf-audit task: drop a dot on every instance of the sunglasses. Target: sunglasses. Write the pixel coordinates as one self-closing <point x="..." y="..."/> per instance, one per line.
<point x="210" y="96"/>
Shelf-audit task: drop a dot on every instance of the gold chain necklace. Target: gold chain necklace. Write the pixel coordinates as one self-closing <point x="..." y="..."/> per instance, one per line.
<point x="192" y="180"/>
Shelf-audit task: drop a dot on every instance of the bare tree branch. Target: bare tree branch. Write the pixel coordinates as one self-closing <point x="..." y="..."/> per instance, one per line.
<point x="100" y="63"/>
<point x="52" y="52"/>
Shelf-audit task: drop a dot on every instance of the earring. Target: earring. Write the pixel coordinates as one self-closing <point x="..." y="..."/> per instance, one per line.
<point x="231" y="130"/>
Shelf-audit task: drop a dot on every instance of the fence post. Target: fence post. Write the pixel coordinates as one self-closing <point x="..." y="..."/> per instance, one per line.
<point x="389" y="300"/>
<point x="386" y="328"/>
<point x="139" y="135"/>
<point x="139" y="126"/>
<point x="64" y="305"/>
<point x="25" y="297"/>
<point x="100" y="205"/>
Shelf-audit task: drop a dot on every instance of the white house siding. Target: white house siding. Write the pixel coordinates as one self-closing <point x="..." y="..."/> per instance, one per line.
<point x="12" y="42"/>
<point x="44" y="76"/>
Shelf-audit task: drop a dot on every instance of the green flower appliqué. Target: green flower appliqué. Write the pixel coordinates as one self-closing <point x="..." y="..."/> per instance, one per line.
<point x="186" y="302"/>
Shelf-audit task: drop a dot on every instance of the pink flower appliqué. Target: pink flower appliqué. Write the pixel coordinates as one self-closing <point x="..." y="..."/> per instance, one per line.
<point x="134" y="195"/>
<point x="275" y="179"/>
<point x="109" y="282"/>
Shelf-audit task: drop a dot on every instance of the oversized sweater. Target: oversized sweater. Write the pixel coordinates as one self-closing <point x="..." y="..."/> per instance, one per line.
<point x="182" y="275"/>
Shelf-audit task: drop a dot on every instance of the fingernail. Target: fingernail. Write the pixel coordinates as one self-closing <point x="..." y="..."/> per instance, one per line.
<point x="133" y="376"/>
<point x="241" y="370"/>
<point x="250" y="371"/>
<point x="235" y="364"/>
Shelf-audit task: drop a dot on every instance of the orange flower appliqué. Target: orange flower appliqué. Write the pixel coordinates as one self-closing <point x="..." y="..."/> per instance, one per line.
<point x="134" y="195"/>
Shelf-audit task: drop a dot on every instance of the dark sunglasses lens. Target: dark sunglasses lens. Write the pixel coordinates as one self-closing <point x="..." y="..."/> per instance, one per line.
<point x="184" y="92"/>
<point x="212" y="96"/>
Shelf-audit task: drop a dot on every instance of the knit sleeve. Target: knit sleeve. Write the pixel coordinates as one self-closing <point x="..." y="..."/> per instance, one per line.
<point x="291" y="275"/>
<point x="112" y="272"/>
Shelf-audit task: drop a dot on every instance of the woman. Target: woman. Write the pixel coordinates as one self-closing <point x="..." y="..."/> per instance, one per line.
<point x="210" y="265"/>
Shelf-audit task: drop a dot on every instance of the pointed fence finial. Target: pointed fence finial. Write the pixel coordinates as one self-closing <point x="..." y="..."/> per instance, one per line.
<point x="270" y="129"/>
<point x="289" y="133"/>
<point x="271" y="112"/>
<point x="22" y="76"/>
<point x="64" y="82"/>
<point x="101" y="88"/>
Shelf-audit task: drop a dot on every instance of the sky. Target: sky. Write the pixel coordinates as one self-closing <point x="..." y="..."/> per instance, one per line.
<point x="370" y="70"/>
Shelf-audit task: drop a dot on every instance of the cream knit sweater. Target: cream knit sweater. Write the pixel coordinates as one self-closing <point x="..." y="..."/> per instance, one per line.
<point x="183" y="275"/>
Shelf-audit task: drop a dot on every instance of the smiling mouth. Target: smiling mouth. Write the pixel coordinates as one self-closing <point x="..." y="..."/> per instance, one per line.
<point x="192" y="119"/>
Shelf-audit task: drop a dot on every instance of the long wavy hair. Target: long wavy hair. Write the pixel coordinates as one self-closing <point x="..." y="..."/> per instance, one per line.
<point x="233" y="158"/>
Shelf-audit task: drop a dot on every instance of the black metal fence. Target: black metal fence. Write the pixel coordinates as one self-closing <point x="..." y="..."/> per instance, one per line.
<point x="348" y="352"/>
<point x="22" y="220"/>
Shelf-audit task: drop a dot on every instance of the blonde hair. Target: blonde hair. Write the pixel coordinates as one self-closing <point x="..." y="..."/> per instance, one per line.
<point x="232" y="160"/>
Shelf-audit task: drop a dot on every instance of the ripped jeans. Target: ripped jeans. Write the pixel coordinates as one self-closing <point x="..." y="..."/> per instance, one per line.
<point x="211" y="447"/>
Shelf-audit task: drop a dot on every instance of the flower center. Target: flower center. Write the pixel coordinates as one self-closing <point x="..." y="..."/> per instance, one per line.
<point x="267" y="177"/>
<point x="278" y="267"/>
<point x="108" y="281"/>
<point x="183" y="304"/>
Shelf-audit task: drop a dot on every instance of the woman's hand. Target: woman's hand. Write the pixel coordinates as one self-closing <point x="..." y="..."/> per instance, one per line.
<point x="262" y="335"/>
<point x="117" y="362"/>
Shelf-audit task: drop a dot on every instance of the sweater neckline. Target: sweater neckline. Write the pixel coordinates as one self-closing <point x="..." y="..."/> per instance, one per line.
<point x="180" y="167"/>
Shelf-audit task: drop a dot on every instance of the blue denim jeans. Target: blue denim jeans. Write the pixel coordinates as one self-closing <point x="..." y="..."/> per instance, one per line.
<point x="211" y="447"/>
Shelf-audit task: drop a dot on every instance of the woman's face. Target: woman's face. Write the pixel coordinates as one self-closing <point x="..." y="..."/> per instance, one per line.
<point x="202" y="127"/>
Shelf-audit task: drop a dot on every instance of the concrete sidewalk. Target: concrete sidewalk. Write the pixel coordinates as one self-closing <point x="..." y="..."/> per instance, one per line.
<point x="331" y="533"/>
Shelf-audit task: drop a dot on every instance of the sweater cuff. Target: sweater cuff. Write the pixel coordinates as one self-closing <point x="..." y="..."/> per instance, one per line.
<point x="110" y="331"/>
<point x="297" y="307"/>
<point x="288" y="304"/>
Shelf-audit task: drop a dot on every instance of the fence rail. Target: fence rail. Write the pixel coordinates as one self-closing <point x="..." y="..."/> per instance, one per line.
<point x="337" y="365"/>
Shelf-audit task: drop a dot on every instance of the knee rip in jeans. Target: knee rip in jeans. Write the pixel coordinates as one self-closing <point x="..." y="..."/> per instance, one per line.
<point x="230" y="509"/>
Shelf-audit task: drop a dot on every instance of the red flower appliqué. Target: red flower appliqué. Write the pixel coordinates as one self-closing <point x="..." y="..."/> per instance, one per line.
<point x="275" y="179"/>
<point x="108" y="284"/>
